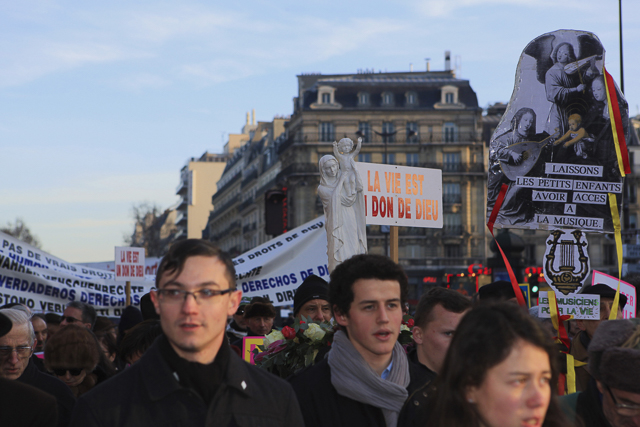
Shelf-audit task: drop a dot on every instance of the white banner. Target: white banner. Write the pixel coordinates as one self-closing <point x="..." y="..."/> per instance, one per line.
<point x="276" y="268"/>
<point x="45" y="283"/>
<point x="402" y="195"/>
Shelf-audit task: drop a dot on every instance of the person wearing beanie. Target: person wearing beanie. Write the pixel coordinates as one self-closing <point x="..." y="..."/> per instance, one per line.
<point x="500" y="290"/>
<point x="312" y="299"/>
<point x="581" y="340"/>
<point x="612" y="397"/>
<point x="237" y="328"/>
<point x="71" y="355"/>
<point x="259" y="316"/>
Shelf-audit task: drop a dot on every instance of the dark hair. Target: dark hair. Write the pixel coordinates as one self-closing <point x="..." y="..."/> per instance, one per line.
<point x="73" y="346"/>
<point x="89" y="314"/>
<point x="449" y="299"/>
<point x="139" y="338"/>
<point x="571" y="51"/>
<point x="174" y="260"/>
<point x="109" y="342"/>
<point x="363" y="267"/>
<point x="485" y="337"/>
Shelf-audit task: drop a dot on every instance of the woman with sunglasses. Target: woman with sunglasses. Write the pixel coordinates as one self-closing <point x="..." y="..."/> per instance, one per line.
<point x="499" y="372"/>
<point x="72" y="355"/>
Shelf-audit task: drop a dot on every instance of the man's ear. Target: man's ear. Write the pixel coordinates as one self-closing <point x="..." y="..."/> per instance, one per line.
<point x="154" y="299"/>
<point x="234" y="301"/>
<point x="417" y="334"/>
<point x="341" y="318"/>
<point x="600" y="387"/>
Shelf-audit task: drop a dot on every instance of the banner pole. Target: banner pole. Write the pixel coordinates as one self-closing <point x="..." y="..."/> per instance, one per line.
<point x="393" y="243"/>
<point x="127" y="291"/>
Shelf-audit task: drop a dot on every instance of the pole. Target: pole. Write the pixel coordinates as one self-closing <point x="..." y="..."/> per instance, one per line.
<point x="621" y="54"/>
<point x="393" y="234"/>
<point x="127" y="291"/>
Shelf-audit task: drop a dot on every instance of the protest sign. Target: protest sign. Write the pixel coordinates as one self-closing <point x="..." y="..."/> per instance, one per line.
<point x="129" y="263"/>
<point x="276" y="268"/>
<point x="248" y="344"/>
<point x="555" y="146"/>
<point x="45" y="283"/>
<point x="402" y="195"/>
<point x="629" y="311"/>
<point x="579" y="306"/>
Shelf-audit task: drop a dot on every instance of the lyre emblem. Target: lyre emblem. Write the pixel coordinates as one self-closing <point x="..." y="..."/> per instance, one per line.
<point x="566" y="271"/>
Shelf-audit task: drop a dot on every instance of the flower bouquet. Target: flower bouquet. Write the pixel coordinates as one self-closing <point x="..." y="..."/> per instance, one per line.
<point x="288" y="351"/>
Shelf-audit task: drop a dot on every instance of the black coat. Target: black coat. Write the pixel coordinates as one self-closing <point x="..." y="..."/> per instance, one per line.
<point x="322" y="406"/>
<point x="49" y="384"/>
<point x="148" y="394"/>
<point x="22" y="405"/>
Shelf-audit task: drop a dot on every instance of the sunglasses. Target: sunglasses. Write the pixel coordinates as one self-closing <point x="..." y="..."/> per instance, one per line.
<point x="62" y="372"/>
<point x="69" y="319"/>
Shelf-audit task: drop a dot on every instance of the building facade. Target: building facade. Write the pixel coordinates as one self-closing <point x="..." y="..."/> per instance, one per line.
<point x="422" y="119"/>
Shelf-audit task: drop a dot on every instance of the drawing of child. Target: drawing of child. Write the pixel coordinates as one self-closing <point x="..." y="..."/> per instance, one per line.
<point x="576" y="136"/>
<point x="342" y="151"/>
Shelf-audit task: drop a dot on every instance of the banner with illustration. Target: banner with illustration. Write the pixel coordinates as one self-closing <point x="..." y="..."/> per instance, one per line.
<point x="560" y="146"/>
<point x="45" y="283"/>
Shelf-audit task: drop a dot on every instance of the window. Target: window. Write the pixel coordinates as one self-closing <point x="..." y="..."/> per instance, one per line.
<point x="450" y="132"/>
<point x="451" y="162"/>
<point x="452" y="224"/>
<point x="389" y="158"/>
<point x="389" y="132"/>
<point x="363" y="99"/>
<point x="411" y="98"/>
<point x="452" y="251"/>
<point x="448" y="98"/>
<point x="451" y="192"/>
<point x="412" y="159"/>
<point x="412" y="132"/>
<point x="326" y="98"/>
<point x="365" y="131"/>
<point x="633" y="220"/>
<point x="387" y="99"/>
<point x="366" y="157"/>
<point x="326" y="132"/>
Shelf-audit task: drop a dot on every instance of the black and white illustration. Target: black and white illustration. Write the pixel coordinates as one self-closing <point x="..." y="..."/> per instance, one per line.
<point x="554" y="146"/>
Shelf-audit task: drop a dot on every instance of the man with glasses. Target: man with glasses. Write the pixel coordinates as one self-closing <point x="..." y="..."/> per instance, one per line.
<point x="189" y="376"/>
<point x="612" y="397"/>
<point x="79" y="313"/>
<point x="16" y="349"/>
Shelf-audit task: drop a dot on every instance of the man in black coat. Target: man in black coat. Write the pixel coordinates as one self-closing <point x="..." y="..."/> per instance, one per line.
<point x="366" y="378"/>
<point x="189" y="376"/>
<point x="18" y="364"/>
<point x="20" y="404"/>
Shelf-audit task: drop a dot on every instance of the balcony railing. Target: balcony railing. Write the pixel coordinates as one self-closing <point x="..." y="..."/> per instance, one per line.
<point x="451" y="198"/>
<point x="249" y="227"/>
<point x="298" y="169"/>
<point x="452" y="230"/>
<point x="461" y="167"/>
<point x="399" y="138"/>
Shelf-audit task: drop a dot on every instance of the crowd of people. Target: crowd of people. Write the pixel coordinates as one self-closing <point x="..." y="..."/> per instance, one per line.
<point x="176" y="361"/>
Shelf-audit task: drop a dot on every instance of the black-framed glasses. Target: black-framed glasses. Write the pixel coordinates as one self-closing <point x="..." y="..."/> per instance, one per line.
<point x="22" y="351"/>
<point x="61" y="372"/>
<point x="70" y="319"/>
<point x="180" y="295"/>
<point x="623" y="408"/>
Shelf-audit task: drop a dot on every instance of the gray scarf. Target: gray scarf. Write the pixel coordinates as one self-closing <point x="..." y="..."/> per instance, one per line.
<point x="352" y="377"/>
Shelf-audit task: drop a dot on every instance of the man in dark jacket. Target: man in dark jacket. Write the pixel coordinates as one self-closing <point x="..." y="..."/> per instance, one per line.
<point x="612" y="396"/>
<point x="366" y="378"/>
<point x="437" y="316"/>
<point x="20" y="404"/>
<point x="189" y="376"/>
<point x="18" y="365"/>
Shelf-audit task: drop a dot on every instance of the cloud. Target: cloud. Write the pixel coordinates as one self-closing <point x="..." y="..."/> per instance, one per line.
<point x="141" y="81"/>
<point x="448" y="8"/>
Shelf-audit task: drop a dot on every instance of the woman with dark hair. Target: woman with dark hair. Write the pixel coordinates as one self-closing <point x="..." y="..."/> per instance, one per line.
<point x="522" y="129"/>
<point x="500" y="371"/>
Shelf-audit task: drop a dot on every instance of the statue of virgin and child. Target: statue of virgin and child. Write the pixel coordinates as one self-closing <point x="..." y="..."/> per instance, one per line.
<point x="341" y="193"/>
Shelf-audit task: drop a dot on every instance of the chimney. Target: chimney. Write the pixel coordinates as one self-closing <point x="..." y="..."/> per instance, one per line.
<point x="248" y="119"/>
<point x="428" y="64"/>
<point x="447" y="60"/>
<point x="253" y="116"/>
<point x="411" y="68"/>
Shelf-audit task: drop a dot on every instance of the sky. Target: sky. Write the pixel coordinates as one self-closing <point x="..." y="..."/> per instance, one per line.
<point x="102" y="103"/>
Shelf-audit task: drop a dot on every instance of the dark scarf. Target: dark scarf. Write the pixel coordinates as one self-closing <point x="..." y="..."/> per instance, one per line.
<point x="203" y="379"/>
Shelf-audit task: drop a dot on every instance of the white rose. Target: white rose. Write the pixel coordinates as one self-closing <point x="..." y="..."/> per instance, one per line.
<point x="314" y="332"/>
<point x="404" y="327"/>
<point x="274" y="336"/>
